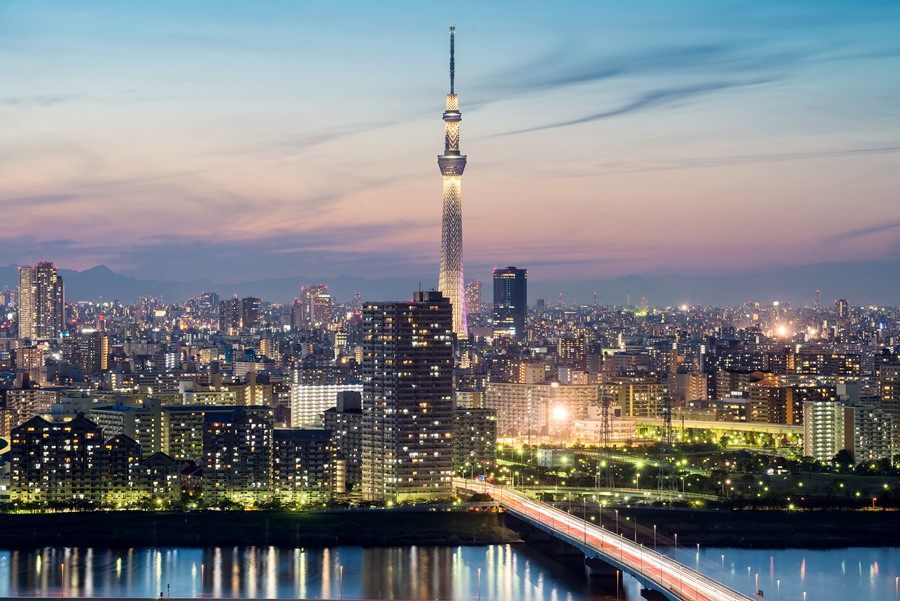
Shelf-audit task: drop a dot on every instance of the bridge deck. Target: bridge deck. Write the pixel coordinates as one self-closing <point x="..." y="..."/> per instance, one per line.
<point x="653" y="570"/>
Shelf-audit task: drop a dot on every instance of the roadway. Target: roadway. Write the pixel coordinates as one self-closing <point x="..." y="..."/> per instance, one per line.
<point x="653" y="570"/>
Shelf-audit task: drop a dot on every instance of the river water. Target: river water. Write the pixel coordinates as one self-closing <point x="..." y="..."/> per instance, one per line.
<point x="494" y="572"/>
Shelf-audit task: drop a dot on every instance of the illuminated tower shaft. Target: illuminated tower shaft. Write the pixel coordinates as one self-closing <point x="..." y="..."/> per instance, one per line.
<point x="452" y="165"/>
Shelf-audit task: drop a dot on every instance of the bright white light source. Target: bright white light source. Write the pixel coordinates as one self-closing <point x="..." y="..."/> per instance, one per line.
<point x="560" y="413"/>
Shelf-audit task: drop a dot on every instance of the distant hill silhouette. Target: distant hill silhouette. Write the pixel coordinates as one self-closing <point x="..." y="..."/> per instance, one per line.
<point x="861" y="282"/>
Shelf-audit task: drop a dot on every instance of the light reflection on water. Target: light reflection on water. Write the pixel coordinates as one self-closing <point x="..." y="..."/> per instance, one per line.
<point x="858" y="574"/>
<point x="499" y="572"/>
<point x="503" y="572"/>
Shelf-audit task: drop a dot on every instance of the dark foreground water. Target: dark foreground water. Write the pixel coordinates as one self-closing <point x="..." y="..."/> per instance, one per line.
<point x="495" y="572"/>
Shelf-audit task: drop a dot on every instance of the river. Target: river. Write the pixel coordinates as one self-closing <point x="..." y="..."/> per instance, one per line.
<point x="493" y="572"/>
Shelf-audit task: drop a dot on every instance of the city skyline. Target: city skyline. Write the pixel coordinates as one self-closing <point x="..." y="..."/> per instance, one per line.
<point x="754" y="131"/>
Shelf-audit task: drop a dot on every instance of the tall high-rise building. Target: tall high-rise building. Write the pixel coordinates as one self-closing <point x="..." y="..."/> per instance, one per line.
<point x="889" y="390"/>
<point x="842" y="308"/>
<point x="407" y="399"/>
<point x="452" y="164"/>
<point x="250" y="312"/>
<point x="230" y="316"/>
<point x="317" y="305"/>
<point x="473" y="297"/>
<point x="91" y="351"/>
<point x="239" y="315"/>
<point x="510" y="302"/>
<point x="42" y="307"/>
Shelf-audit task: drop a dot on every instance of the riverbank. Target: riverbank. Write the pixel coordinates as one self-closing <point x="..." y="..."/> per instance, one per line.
<point x="224" y="528"/>
<point x="383" y="528"/>
<point x="765" y="529"/>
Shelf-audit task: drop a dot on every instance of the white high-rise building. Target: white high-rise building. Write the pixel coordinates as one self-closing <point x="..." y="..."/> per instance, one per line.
<point x="310" y="401"/>
<point x="864" y="430"/>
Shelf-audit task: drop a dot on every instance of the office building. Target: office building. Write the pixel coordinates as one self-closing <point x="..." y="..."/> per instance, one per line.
<point x="510" y="302"/>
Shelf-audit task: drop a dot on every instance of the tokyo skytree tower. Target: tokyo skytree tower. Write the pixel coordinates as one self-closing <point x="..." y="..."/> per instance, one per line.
<point x="452" y="165"/>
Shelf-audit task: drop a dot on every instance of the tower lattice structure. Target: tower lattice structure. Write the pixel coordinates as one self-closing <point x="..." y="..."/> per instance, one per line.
<point x="667" y="476"/>
<point x="452" y="164"/>
<point x="605" y="475"/>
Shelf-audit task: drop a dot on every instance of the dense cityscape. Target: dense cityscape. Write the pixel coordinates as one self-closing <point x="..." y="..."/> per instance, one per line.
<point x="242" y="402"/>
<point x="471" y="436"/>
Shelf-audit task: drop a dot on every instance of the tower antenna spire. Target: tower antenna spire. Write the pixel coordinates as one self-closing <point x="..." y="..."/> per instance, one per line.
<point x="452" y="52"/>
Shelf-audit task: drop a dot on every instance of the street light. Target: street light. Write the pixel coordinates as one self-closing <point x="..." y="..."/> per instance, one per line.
<point x="654" y="537"/>
<point x="584" y="517"/>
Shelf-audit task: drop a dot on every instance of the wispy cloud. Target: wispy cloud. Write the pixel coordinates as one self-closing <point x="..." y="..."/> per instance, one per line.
<point x="728" y="160"/>
<point x="875" y="228"/>
<point x="645" y="101"/>
<point x="36" y="201"/>
<point x="42" y="100"/>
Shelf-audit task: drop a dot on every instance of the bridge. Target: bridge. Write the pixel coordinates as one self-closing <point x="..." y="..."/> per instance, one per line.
<point x="661" y="576"/>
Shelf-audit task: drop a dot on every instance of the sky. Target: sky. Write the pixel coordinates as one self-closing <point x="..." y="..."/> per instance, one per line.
<point x="242" y="140"/>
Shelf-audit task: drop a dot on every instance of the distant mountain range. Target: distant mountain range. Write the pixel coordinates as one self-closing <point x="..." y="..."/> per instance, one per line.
<point x="861" y="282"/>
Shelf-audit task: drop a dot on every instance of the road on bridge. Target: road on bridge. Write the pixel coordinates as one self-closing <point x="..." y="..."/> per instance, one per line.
<point x="655" y="570"/>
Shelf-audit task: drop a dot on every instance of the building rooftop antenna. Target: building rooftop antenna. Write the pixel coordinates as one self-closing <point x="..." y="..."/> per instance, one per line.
<point x="452" y="57"/>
